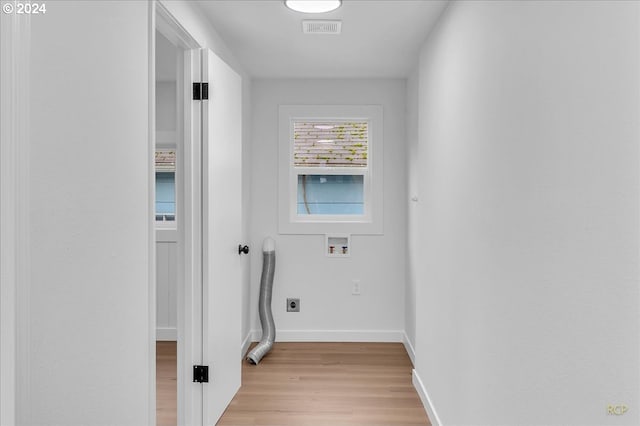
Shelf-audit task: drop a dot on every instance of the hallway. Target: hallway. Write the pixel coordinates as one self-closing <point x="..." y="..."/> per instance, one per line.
<point x="461" y="177"/>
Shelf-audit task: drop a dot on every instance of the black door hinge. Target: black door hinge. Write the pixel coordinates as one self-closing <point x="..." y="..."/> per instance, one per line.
<point x="200" y="91"/>
<point x="201" y="374"/>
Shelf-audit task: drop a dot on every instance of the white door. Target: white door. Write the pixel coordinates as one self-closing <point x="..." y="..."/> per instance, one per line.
<point x="222" y="189"/>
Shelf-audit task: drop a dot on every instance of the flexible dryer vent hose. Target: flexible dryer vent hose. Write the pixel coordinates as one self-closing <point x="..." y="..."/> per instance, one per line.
<point x="264" y="304"/>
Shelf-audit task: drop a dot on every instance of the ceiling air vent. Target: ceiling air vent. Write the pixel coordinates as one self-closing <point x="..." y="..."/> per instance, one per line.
<point x="321" y="27"/>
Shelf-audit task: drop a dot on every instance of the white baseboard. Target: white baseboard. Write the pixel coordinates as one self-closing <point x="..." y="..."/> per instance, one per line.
<point x="426" y="401"/>
<point x="409" y="347"/>
<point x="166" y="334"/>
<point x="245" y="344"/>
<point x="387" y="336"/>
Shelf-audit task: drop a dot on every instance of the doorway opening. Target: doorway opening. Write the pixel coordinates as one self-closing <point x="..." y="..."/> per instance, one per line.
<point x="168" y="236"/>
<point x="199" y="210"/>
<point x="173" y="212"/>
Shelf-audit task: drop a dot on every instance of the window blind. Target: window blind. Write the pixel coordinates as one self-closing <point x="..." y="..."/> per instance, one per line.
<point x="330" y="144"/>
<point x="165" y="160"/>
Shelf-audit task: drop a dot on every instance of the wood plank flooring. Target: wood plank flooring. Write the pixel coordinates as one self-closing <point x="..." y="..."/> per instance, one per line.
<point x="166" y="384"/>
<point x="319" y="384"/>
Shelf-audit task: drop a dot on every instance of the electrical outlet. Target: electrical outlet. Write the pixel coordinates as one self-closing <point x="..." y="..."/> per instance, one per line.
<point x="355" y="289"/>
<point x="293" y="305"/>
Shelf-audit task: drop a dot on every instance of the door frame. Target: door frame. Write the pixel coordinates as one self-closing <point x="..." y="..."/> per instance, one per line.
<point x="188" y="215"/>
<point x="14" y="206"/>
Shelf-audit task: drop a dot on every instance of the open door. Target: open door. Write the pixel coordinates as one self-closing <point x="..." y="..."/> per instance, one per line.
<point x="222" y="189"/>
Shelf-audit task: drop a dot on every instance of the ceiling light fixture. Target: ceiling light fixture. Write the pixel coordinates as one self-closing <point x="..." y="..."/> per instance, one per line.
<point x="313" y="6"/>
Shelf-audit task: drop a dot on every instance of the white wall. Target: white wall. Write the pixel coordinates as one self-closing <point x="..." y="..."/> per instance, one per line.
<point x="328" y="310"/>
<point x="166" y="239"/>
<point x="166" y="114"/>
<point x="88" y="340"/>
<point x="527" y="291"/>
<point x="166" y="288"/>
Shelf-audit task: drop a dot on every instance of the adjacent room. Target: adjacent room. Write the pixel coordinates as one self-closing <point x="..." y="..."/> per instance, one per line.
<point x="320" y="212"/>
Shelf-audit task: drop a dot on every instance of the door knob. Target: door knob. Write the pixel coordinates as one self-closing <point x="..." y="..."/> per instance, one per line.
<point x="243" y="249"/>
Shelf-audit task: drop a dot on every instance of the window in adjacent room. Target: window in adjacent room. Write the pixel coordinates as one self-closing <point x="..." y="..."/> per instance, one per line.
<point x="165" y="186"/>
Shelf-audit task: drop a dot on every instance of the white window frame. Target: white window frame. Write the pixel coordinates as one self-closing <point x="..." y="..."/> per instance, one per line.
<point x="289" y="221"/>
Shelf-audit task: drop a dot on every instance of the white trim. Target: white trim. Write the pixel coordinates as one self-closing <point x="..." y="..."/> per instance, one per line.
<point x="172" y="29"/>
<point x="426" y="401"/>
<point x="289" y="222"/>
<point x="166" y="334"/>
<point x="378" y="336"/>
<point x="151" y="172"/>
<point x="14" y="213"/>
<point x="8" y="215"/>
<point x="244" y="348"/>
<point x="409" y="347"/>
<point x="193" y="237"/>
<point x="14" y="218"/>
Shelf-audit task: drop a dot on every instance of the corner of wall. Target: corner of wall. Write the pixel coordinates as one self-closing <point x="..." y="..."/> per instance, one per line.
<point x="408" y="345"/>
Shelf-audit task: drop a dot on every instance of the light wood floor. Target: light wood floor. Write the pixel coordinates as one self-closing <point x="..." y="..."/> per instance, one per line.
<point x="166" y="384"/>
<point x="319" y="384"/>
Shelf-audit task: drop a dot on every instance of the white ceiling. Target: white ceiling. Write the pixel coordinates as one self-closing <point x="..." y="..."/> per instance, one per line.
<point x="380" y="38"/>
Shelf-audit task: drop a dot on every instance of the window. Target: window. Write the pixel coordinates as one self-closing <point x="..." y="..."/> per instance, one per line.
<point x="327" y="164"/>
<point x="330" y="146"/>
<point x="330" y="195"/>
<point x="165" y="186"/>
